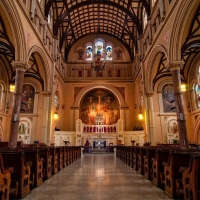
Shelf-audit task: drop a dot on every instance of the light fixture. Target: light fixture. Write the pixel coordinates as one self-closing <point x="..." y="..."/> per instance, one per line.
<point x="12" y="87"/>
<point x="140" y="116"/>
<point x="183" y="87"/>
<point x="99" y="64"/>
<point x="55" y="116"/>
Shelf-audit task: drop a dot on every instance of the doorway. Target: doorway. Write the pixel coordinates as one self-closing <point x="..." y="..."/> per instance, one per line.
<point x="99" y="144"/>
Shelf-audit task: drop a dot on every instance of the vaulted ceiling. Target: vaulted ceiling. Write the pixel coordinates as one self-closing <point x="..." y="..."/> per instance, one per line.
<point x="74" y="19"/>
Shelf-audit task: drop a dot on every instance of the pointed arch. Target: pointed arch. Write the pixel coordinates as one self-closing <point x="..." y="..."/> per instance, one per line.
<point x="45" y="69"/>
<point x="179" y="25"/>
<point x="150" y="66"/>
<point x="17" y="30"/>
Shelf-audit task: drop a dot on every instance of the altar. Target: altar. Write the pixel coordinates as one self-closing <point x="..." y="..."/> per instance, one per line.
<point x="109" y="134"/>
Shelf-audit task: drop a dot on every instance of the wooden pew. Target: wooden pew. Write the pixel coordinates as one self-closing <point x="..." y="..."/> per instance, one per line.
<point x="54" y="161"/>
<point x="59" y="152"/>
<point x="148" y="169"/>
<point x="176" y="159"/>
<point x="5" y="144"/>
<point x="22" y="170"/>
<point x="5" y="180"/>
<point x="47" y="162"/>
<point x="141" y="153"/>
<point x="161" y="155"/>
<point x="69" y="149"/>
<point x="64" y="156"/>
<point x="33" y="155"/>
<point x="191" y="178"/>
<point x="135" y="157"/>
<point x="131" y="156"/>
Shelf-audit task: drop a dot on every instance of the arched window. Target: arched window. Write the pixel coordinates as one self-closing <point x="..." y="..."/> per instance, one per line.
<point x="89" y="51"/>
<point x="197" y="91"/>
<point x="99" y="49"/>
<point x="109" y="52"/>
<point x="27" y="101"/>
<point x="144" y="15"/>
<point x="168" y="98"/>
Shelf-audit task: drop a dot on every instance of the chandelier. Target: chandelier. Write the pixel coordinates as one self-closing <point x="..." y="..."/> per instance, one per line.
<point x="98" y="64"/>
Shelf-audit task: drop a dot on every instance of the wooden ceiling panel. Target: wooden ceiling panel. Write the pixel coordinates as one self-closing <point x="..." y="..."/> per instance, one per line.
<point x="118" y="18"/>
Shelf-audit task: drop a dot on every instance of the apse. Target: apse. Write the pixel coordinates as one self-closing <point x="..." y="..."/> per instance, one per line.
<point x="99" y="104"/>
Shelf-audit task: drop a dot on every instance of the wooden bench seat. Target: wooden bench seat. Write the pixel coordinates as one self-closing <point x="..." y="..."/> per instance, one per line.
<point x="191" y="178"/>
<point x="33" y="155"/>
<point x="59" y="152"/>
<point x="135" y="157"/>
<point x="22" y="170"/>
<point x="5" y="180"/>
<point x="47" y="162"/>
<point x="148" y="170"/>
<point x="161" y="155"/>
<point x="141" y="153"/>
<point x="54" y="161"/>
<point x="176" y="159"/>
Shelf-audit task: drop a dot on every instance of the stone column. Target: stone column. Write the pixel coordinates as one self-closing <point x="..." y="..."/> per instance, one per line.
<point x="150" y="118"/>
<point x="74" y="111"/>
<point x="46" y="117"/>
<point x="20" y="69"/>
<point x="123" y="115"/>
<point x="179" y="102"/>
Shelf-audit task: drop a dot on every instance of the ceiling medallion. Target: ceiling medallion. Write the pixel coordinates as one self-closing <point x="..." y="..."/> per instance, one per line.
<point x="98" y="64"/>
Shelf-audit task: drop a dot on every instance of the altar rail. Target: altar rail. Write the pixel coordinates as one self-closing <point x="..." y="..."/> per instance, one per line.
<point x="99" y="129"/>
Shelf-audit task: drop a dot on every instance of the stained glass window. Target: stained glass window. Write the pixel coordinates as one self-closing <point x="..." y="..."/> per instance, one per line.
<point x="109" y="52"/>
<point x="89" y="52"/>
<point x="197" y="90"/>
<point x="99" y="49"/>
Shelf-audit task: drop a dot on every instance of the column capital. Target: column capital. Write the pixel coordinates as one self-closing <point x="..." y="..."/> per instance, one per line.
<point x="159" y="91"/>
<point x="46" y="93"/>
<point x="123" y="107"/>
<point x="74" y="107"/>
<point x="19" y="65"/>
<point x="175" y="65"/>
<point x="149" y="93"/>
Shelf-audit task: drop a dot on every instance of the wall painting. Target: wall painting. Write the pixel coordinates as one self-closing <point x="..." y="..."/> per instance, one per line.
<point x="99" y="102"/>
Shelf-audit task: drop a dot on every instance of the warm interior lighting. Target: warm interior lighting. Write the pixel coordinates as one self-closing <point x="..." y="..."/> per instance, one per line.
<point x="183" y="87"/>
<point x="12" y="87"/>
<point x="55" y="116"/>
<point x="140" y="116"/>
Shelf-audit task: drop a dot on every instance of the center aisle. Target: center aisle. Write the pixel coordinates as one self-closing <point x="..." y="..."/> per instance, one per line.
<point x="97" y="177"/>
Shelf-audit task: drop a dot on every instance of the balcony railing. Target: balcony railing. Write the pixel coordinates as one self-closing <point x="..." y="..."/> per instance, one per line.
<point x="84" y="71"/>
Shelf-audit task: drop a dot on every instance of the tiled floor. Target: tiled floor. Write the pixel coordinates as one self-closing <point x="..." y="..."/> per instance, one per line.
<point x="97" y="177"/>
